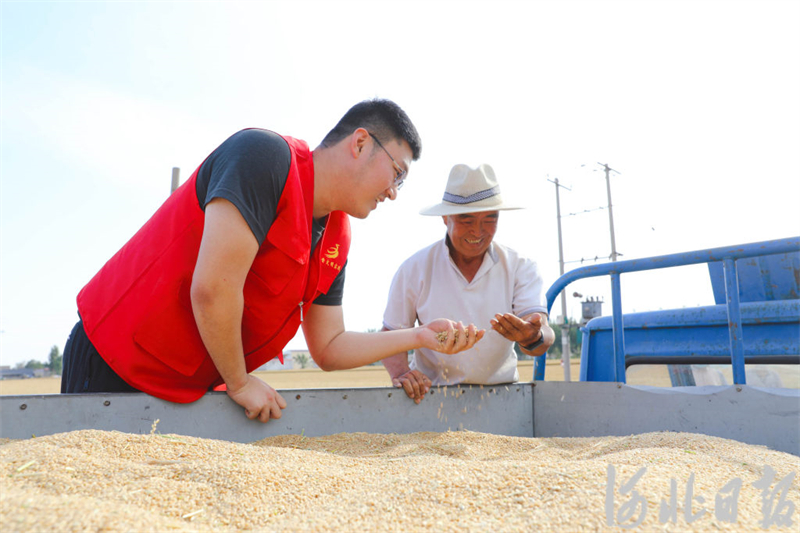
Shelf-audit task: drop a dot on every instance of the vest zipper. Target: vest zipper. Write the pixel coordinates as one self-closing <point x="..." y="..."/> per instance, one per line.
<point x="301" y="311"/>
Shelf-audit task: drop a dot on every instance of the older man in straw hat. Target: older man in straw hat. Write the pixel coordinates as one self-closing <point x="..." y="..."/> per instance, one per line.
<point x="469" y="278"/>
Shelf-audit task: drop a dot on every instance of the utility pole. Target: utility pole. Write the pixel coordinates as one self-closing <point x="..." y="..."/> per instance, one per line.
<point x="176" y="173"/>
<point x="565" y="324"/>
<point x="610" y="211"/>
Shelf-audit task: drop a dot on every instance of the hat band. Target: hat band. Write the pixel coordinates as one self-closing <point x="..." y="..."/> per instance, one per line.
<point x="477" y="197"/>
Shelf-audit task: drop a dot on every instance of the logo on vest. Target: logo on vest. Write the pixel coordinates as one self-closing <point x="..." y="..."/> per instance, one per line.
<point x="332" y="253"/>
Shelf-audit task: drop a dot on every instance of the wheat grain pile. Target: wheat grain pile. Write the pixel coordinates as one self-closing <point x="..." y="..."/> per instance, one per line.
<point x="455" y="481"/>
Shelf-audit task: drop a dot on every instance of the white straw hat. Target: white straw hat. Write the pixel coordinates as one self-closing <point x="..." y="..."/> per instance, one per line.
<point x="470" y="190"/>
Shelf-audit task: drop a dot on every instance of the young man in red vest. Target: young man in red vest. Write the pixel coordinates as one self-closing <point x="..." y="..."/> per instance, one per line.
<point x="250" y="248"/>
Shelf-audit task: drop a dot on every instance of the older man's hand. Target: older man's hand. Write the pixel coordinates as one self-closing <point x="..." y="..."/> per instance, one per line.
<point x="415" y="383"/>
<point x="516" y="329"/>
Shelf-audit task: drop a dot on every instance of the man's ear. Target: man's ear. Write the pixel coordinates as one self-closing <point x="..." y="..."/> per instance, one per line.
<point x="444" y="219"/>
<point x="358" y="142"/>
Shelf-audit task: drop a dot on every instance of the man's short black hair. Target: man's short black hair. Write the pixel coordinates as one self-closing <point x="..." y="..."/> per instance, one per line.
<point x="383" y="118"/>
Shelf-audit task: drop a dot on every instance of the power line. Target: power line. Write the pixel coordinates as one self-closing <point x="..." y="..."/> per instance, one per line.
<point x="587" y="211"/>
<point x="594" y="259"/>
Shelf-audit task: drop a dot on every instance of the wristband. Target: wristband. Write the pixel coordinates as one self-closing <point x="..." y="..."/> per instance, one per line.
<point x="535" y="344"/>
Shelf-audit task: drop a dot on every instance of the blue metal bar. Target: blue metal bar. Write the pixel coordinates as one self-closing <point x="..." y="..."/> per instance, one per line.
<point x="779" y="246"/>
<point x="539" y="363"/>
<point x="618" y="328"/>
<point x="734" y="320"/>
<point x="755" y="249"/>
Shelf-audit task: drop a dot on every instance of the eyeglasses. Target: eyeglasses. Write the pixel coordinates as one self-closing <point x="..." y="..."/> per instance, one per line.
<point x="401" y="174"/>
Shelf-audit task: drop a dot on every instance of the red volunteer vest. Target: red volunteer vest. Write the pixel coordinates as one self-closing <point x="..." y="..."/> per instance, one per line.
<point x="137" y="309"/>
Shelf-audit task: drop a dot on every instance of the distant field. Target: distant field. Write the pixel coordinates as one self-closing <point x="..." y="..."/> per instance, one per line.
<point x="370" y="376"/>
<point x="376" y="376"/>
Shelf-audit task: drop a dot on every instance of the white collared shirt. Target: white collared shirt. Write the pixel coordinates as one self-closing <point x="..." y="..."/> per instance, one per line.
<point x="429" y="285"/>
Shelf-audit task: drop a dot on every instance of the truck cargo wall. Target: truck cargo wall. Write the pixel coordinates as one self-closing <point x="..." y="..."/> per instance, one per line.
<point x="769" y="417"/>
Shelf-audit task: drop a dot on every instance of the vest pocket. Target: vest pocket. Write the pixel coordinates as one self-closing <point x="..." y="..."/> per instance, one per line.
<point x="170" y="333"/>
<point x="275" y="266"/>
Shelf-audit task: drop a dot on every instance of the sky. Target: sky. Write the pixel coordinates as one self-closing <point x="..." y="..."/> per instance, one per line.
<point x="695" y="105"/>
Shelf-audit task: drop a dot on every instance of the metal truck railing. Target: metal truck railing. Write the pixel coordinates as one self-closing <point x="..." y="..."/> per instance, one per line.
<point x="726" y="255"/>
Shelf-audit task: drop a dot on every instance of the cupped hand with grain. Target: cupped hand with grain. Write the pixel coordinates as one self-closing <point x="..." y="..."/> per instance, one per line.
<point x="448" y="337"/>
<point x="442" y="335"/>
<point x="527" y="331"/>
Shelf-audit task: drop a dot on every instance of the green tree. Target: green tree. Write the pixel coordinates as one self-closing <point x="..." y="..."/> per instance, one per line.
<point x="302" y="359"/>
<point x="574" y="346"/>
<point x="34" y="364"/>
<point x="56" y="360"/>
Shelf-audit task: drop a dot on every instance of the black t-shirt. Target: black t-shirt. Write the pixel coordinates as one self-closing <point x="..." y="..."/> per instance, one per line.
<point x="250" y="170"/>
